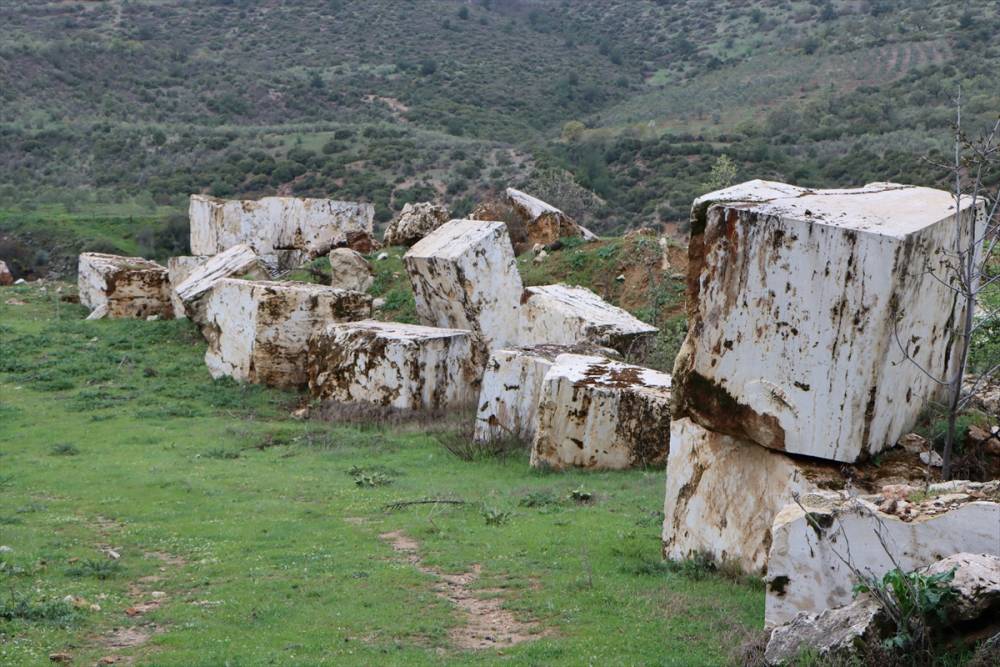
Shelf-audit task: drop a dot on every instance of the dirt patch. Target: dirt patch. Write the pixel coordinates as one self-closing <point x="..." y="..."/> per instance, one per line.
<point x="486" y="624"/>
<point x="129" y="637"/>
<point x="165" y="558"/>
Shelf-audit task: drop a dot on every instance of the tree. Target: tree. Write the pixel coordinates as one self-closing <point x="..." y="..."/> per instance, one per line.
<point x="723" y="174"/>
<point x="572" y="131"/>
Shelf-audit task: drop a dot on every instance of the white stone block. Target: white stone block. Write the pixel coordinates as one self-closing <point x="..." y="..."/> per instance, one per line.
<point x="392" y="365"/>
<point x="259" y="331"/>
<point x="565" y="315"/>
<point x="415" y="222"/>
<point x="601" y="414"/>
<point x="284" y="231"/>
<point x="793" y="296"/>
<point x="124" y="287"/>
<point x="464" y="276"/>
<point x="178" y="269"/>
<point x="239" y="261"/>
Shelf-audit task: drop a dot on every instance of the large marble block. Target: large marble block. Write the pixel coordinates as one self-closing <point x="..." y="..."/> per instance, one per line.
<point x="239" y="261"/>
<point x="123" y="287"/>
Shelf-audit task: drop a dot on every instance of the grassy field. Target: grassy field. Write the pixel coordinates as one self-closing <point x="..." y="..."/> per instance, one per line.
<point x="247" y="538"/>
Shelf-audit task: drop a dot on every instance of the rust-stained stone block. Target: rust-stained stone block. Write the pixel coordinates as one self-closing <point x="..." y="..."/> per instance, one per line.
<point x="392" y="365"/>
<point x="259" y="331"/>
<point x="179" y="268"/>
<point x="124" y="287"/>
<point x="793" y="298"/>
<point x="601" y="414"/>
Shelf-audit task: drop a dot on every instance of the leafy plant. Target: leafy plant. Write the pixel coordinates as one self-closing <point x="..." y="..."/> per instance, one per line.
<point x="64" y="449"/>
<point x="496" y="517"/>
<point x="97" y="568"/>
<point x="917" y="597"/>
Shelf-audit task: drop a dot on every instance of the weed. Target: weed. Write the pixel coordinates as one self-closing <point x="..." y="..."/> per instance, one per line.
<point x="496" y="517"/>
<point x="917" y="596"/>
<point x="222" y="453"/>
<point x="372" y="480"/>
<point x="581" y="495"/>
<point x="461" y="444"/>
<point x="538" y="499"/>
<point x="97" y="568"/>
<point x="21" y="607"/>
<point x="64" y="449"/>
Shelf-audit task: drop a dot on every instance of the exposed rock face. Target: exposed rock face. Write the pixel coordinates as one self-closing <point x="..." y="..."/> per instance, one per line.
<point x="601" y="414"/>
<point x="178" y="269"/>
<point x="464" y="276"/>
<point x="124" y="287"/>
<point x="392" y="365"/>
<point x="530" y="220"/>
<point x="240" y="261"/>
<point x="512" y="388"/>
<point x="284" y="231"/>
<point x="793" y="296"/>
<point x="259" y="331"/>
<point x="806" y="572"/>
<point x="415" y="222"/>
<point x="565" y="315"/>
<point x="836" y="633"/>
<point x="349" y="270"/>
<point x="6" y="277"/>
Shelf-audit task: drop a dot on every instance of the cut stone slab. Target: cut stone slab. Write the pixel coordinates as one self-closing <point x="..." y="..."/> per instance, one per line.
<point x="126" y="287"/>
<point x="284" y="231"/>
<point x="179" y="268"/>
<point x="349" y="270"/>
<point x="565" y="315"/>
<point x="512" y="387"/>
<point x="601" y="414"/>
<point x="240" y="261"/>
<point x="793" y="297"/>
<point x="392" y="365"/>
<point x="464" y="276"/>
<point x="806" y="572"/>
<point x="415" y="222"/>
<point x="259" y="331"/>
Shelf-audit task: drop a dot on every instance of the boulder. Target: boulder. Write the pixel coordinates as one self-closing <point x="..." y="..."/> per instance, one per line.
<point x="259" y="331"/>
<point x="349" y="270"/>
<point x="239" y="261"/>
<point x="126" y="287"/>
<point x="601" y="414"/>
<point x="794" y="299"/>
<point x="565" y="315"/>
<point x="806" y="569"/>
<point x="464" y="276"/>
<point x="284" y="231"/>
<point x="415" y="222"/>
<point x="838" y="634"/>
<point x="6" y="277"/>
<point x="530" y="220"/>
<point x="392" y="365"/>
<point x="178" y="269"/>
<point x="976" y="584"/>
<point x="512" y="386"/>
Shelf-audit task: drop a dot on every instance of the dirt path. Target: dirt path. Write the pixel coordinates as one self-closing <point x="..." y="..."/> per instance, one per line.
<point x="486" y="624"/>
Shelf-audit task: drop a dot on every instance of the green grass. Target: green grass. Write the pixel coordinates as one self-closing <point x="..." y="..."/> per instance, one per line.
<point x="273" y="555"/>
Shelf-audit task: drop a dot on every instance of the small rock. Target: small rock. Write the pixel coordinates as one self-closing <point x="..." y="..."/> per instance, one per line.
<point x="152" y="318"/>
<point x="378" y="304"/>
<point x="382" y="256"/>
<point x="112" y="554"/>
<point x="98" y="313"/>
<point x="301" y="413"/>
<point x="538" y="248"/>
<point x="931" y="458"/>
<point x="913" y="443"/>
<point x="834" y="633"/>
<point x="4" y="549"/>
<point x="60" y="657"/>
<point x="415" y="222"/>
<point x="20" y="281"/>
<point x="540" y="257"/>
<point x="15" y="302"/>
<point x="620" y="278"/>
<point x="898" y="491"/>
<point x="95" y="607"/>
<point x="350" y="271"/>
<point x="108" y="660"/>
<point x="158" y="594"/>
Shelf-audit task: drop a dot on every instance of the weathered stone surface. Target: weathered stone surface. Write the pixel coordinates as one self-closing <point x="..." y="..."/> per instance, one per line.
<point x="349" y="270"/>
<point x="601" y="414"/>
<point x="392" y="365"/>
<point x="793" y="296"/>
<point x="178" y="269"/>
<point x="976" y="584"/>
<point x="415" y="222"/>
<point x="240" y="261"/>
<point x="835" y="633"/>
<point x="806" y="572"/>
<point x="529" y="220"/>
<point x="512" y="387"/>
<point x="284" y="231"/>
<point x="565" y="315"/>
<point x="127" y="287"/>
<point x="259" y="331"/>
<point x="464" y="276"/>
<point x="6" y="277"/>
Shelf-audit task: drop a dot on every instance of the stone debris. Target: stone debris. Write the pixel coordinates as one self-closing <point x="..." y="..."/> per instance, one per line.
<point x="464" y="276"/>
<point x="392" y="365"/>
<point x="415" y="222"/>
<point x="6" y="277"/>
<point x="565" y="315"/>
<point x="126" y="287"/>
<point x="239" y="261"/>
<point x="512" y="386"/>
<point x="976" y="584"/>
<point x="806" y="572"/>
<point x="530" y="221"/>
<point x="284" y="231"/>
<point x="793" y="299"/>
<point x="601" y="414"/>
<point x="259" y="331"/>
<point x="350" y="271"/>
<point x="178" y="269"/>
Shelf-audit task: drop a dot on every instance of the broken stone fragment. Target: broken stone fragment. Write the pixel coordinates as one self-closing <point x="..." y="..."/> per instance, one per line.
<point x="392" y="365"/>
<point x="833" y="633"/>
<point x="601" y="414"/>
<point x="464" y="276"/>
<point x="349" y="270"/>
<point x="529" y="220"/>
<point x="6" y="277"/>
<point x="565" y="315"/>
<point x="976" y="584"/>
<point x="127" y="287"/>
<point x="512" y="386"/>
<point x="284" y="231"/>
<point x="415" y="222"/>
<point x="259" y="331"/>
<point x="806" y="570"/>
<point x="240" y="261"/>
<point x="179" y="268"/>
<point x="794" y="298"/>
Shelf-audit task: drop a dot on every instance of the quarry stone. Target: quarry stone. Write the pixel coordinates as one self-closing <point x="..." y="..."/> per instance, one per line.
<point x="284" y="231"/>
<point x="239" y="261"/>
<point x="350" y="271"/>
<point x="530" y="220"/>
<point x="393" y="365"/>
<point x="832" y="633"/>
<point x="259" y="331"/>
<point x="601" y="414"/>
<point x="794" y="298"/>
<point x="178" y="269"/>
<point x="415" y="222"/>
<point x="6" y="277"/>
<point x="127" y="287"/>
